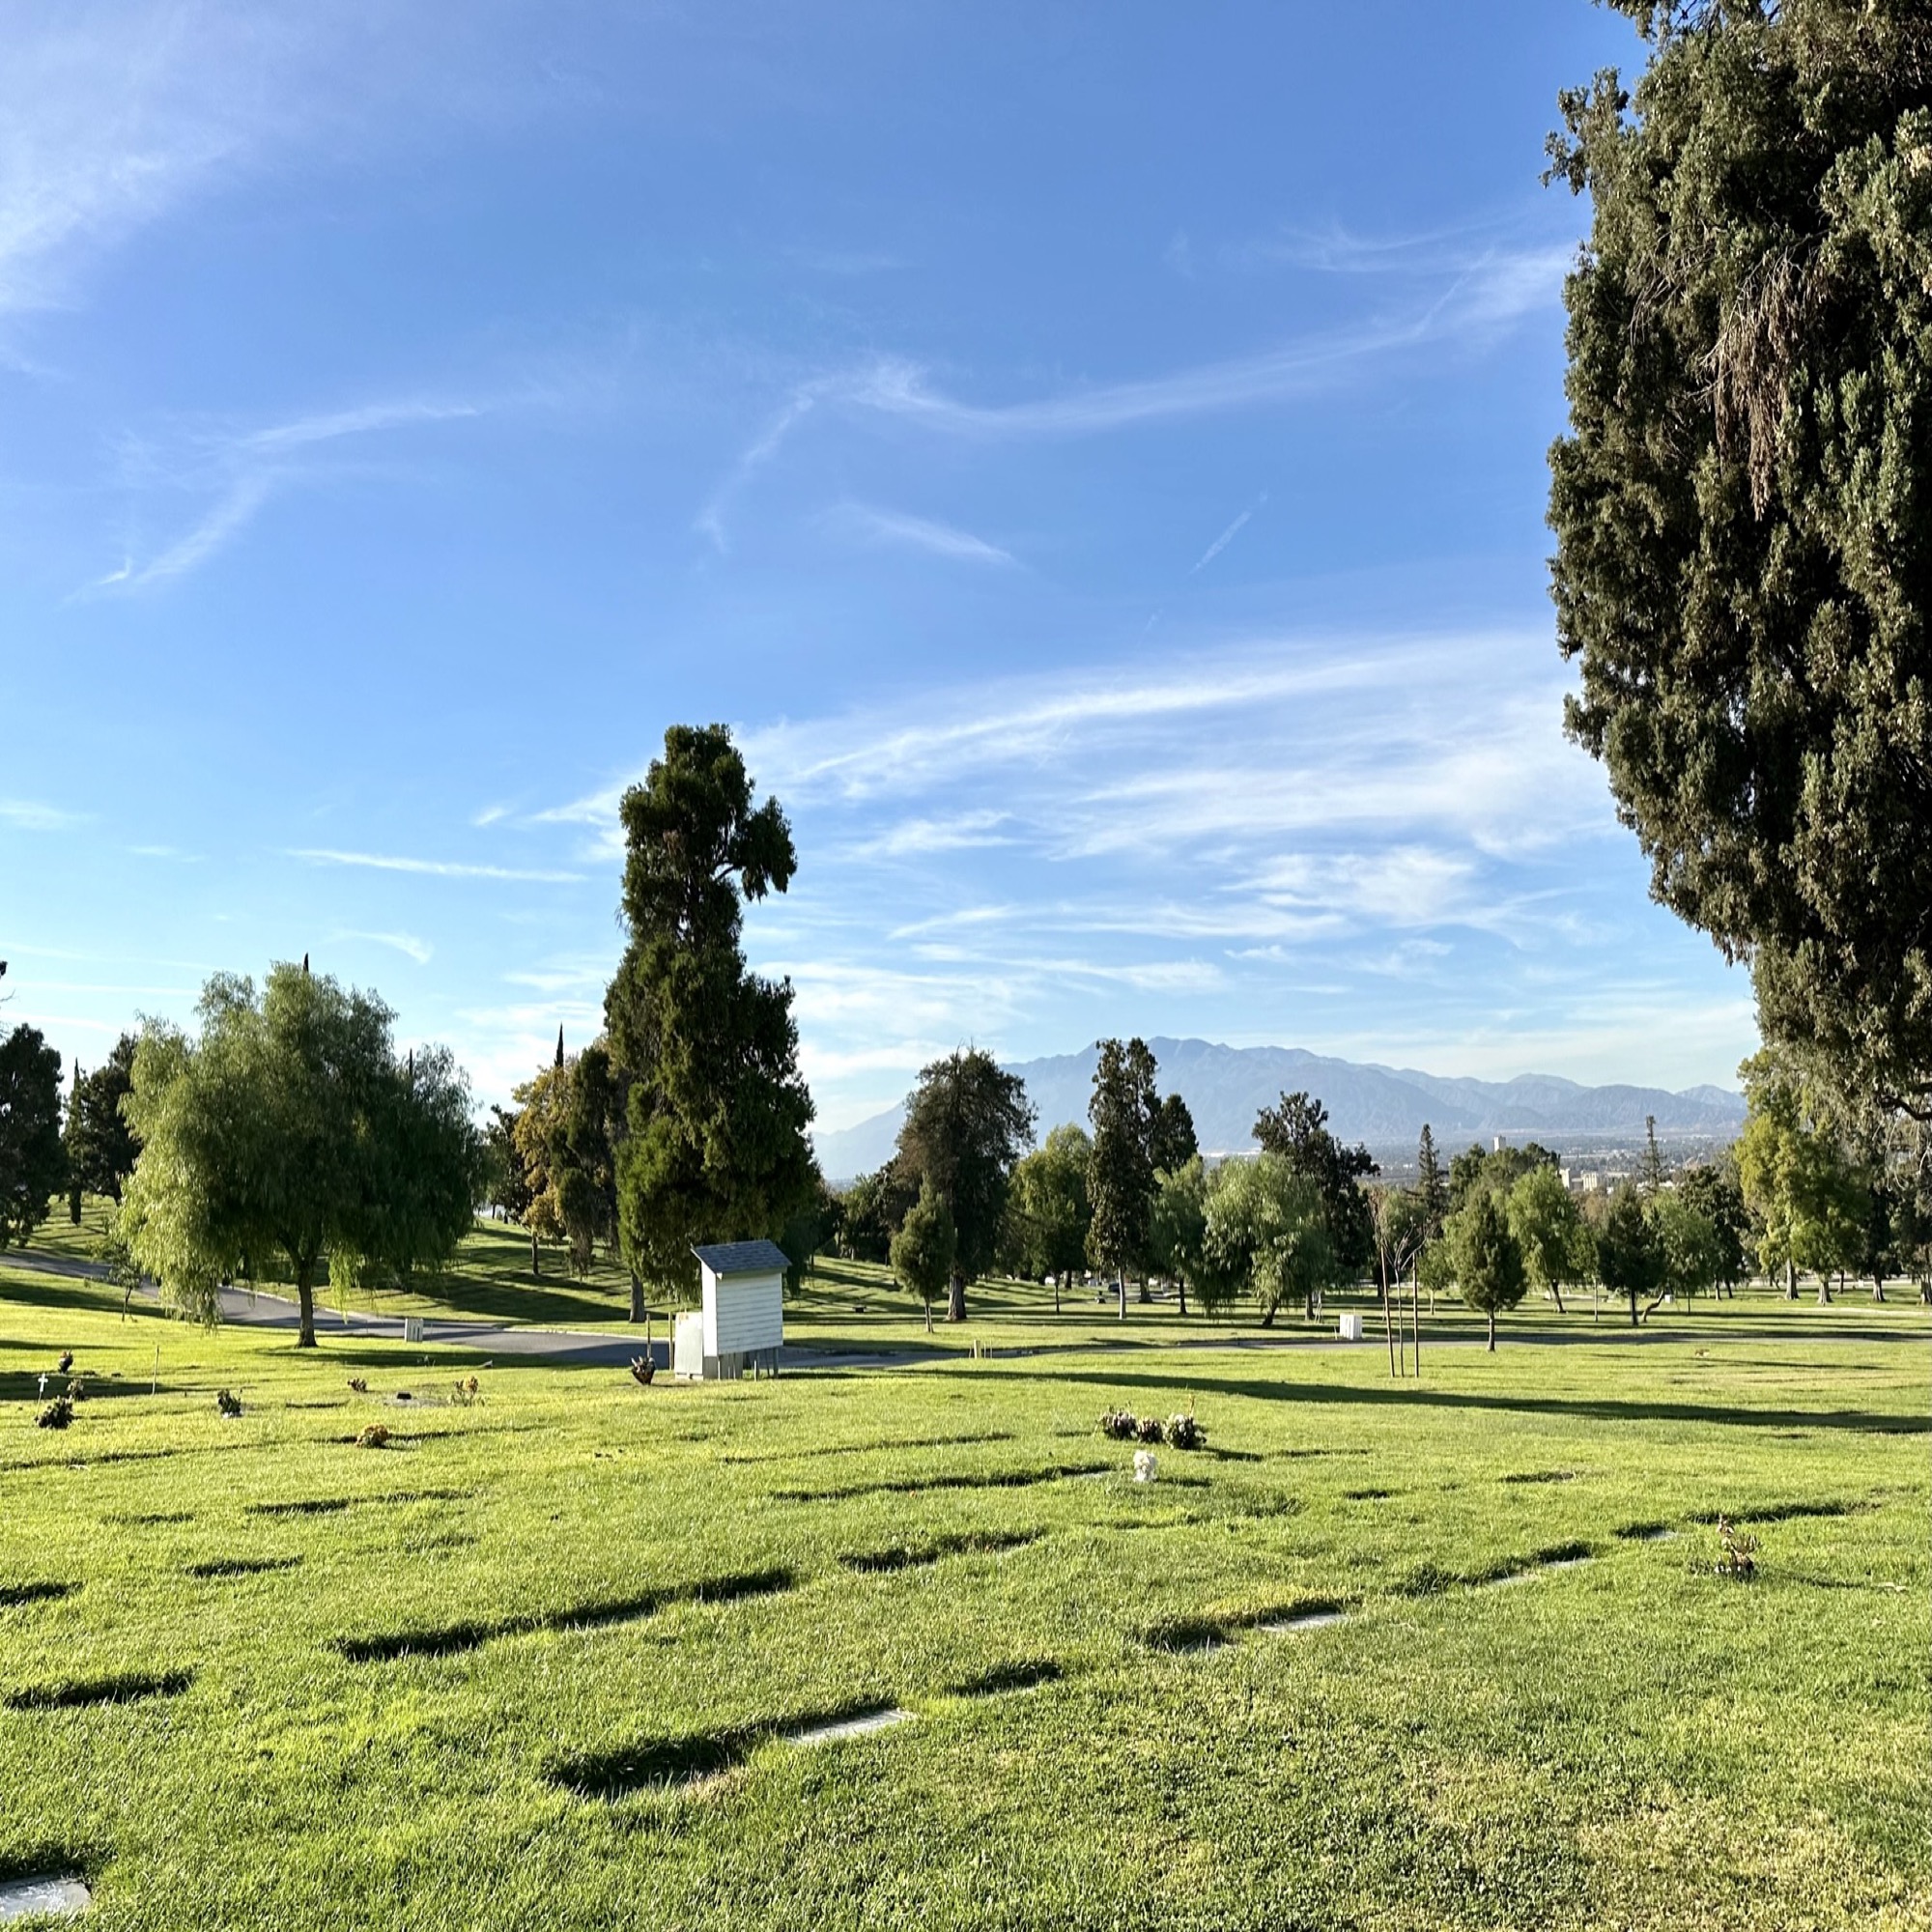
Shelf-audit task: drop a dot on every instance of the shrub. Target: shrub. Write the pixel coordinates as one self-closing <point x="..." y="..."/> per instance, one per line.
<point x="57" y="1414"/>
<point x="1184" y="1432"/>
<point x="1737" y="1553"/>
<point x="67" y="1362"/>
<point x="1148" y="1429"/>
<point x="76" y="1389"/>
<point x="375" y="1436"/>
<point x="227" y="1403"/>
<point x="467" y="1393"/>
<point x="358" y="1384"/>
<point x="642" y="1369"/>
<point x="1118" y="1424"/>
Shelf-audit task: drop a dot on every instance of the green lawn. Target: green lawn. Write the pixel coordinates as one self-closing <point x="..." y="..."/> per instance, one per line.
<point x="532" y="1664"/>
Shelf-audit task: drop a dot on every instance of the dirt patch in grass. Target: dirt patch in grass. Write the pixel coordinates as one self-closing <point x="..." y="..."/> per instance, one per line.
<point x="45" y="1591"/>
<point x="1542" y="1476"/>
<point x="1366" y="1495"/>
<point x="241" y="1566"/>
<point x="125" y="1688"/>
<point x="916" y="1556"/>
<point x="147" y="1519"/>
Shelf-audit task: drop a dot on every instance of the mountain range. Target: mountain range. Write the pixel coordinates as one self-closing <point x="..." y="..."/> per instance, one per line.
<point x="1225" y="1087"/>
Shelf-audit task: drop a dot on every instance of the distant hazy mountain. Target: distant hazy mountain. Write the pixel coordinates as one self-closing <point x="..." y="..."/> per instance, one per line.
<point x="1225" y="1087"/>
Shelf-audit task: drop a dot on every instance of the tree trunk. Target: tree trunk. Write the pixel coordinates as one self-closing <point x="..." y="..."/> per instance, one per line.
<point x="1388" y="1326"/>
<point x="955" y="1297"/>
<point x="1790" y="1281"/>
<point x="639" y="1312"/>
<point x="1415" y="1311"/>
<point x="1059" y="1276"/>
<point x="536" y="1258"/>
<point x="305" y="1300"/>
<point x="1180" y="1284"/>
<point x="1632" y="1296"/>
<point x="1121" y="1289"/>
<point x="73" y="1206"/>
<point x="1824" y="1289"/>
<point x="1492" y="1331"/>
<point x="1556" y="1289"/>
<point x="1268" y="1315"/>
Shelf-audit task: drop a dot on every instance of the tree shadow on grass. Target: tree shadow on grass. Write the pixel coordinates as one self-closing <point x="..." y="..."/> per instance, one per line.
<point x="1590" y="1408"/>
<point x="24" y="1385"/>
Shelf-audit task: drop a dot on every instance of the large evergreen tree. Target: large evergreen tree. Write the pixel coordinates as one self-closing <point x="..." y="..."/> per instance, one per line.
<point x="102" y="1148"/>
<point x="1486" y="1257"/>
<point x="1297" y="1130"/>
<point x="717" y="1114"/>
<point x="966" y="1124"/>
<point x="1744" y="503"/>
<point x="1120" y="1168"/>
<point x="33" y="1162"/>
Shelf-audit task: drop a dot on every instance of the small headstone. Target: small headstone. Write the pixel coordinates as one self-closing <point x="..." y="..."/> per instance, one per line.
<point x="1146" y="1466"/>
<point x="60" y="1895"/>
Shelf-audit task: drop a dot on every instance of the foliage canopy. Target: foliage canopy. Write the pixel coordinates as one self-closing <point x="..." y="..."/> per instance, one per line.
<point x="1743" y="506"/>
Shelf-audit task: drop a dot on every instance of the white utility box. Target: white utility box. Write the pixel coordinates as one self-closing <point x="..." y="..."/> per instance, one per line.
<point x="741" y="1323"/>
<point x="1351" y="1327"/>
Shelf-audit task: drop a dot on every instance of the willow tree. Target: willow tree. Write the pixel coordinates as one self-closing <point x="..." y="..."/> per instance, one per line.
<point x="1743" y="506"/>
<point x="290" y="1126"/>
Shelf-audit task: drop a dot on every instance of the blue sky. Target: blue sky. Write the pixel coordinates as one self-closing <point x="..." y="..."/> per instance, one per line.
<point x="1094" y="456"/>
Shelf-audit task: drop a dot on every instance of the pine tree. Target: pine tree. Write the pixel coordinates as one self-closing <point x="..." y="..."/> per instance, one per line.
<point x="1430" y="1186"/>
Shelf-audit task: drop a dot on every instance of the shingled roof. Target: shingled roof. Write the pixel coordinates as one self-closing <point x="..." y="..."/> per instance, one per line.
<point x="729" y="1258"/>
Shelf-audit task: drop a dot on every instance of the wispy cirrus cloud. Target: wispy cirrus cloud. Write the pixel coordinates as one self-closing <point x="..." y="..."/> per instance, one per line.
<point x="31" y="814"/>
<point x="437" y="868"/>
<point x="238" y="471"/>
<point x="893" y="526"/>
<point x="405" y="942"/>
<point x="1468" y="292"/>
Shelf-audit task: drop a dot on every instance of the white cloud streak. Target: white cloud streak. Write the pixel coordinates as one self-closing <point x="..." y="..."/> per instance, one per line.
<point x="405" y="942"/>
<point x="438" y="869"/>
<point x="893" y="526"/>
<point x="27" y="815"/>
<point x="241" y="470"/>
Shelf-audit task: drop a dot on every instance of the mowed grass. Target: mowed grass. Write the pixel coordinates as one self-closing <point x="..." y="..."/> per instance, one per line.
<point x="535" y="1662"/>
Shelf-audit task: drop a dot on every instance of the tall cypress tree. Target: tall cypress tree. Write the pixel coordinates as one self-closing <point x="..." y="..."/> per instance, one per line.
<point x="1120" y="1169"/>
<point x="717" y="1114"/>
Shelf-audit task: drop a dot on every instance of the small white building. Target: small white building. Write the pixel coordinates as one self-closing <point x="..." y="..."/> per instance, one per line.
<point x="740" y="1323"/>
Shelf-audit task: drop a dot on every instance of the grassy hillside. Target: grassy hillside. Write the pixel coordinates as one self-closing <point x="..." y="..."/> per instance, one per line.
<point x="535" y="1662"/>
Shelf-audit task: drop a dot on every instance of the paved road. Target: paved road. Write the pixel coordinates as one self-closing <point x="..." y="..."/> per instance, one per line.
<point x="591" y="1349"/>
<point x="259" y="1309"/>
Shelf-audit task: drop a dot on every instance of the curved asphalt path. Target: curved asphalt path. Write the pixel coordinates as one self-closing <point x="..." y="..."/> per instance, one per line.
<point x="590" y="1348"/>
